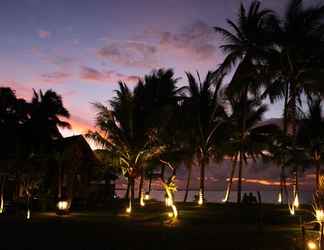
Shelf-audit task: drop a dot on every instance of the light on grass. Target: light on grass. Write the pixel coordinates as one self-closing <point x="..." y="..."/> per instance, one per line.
<point x="311" y="245"/>
<point x="129" y="208"/>
<point x="142" y="203"/>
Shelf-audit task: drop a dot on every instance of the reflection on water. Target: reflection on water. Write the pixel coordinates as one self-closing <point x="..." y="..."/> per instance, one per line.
<point x="268" y="196"/>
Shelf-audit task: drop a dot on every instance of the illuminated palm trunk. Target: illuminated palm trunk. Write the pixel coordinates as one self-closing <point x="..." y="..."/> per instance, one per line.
<point x="296" y="191"/>
<point x="229" y="185"/>
<point x="282" y="183"/>
<point x="188" y="182"/>
<point x="201" y="197"/>
<point x="2" y="194"/>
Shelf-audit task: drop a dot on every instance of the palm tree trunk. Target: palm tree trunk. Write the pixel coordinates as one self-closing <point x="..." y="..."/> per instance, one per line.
<point x="132" y="191"/>
<point x="128" y="188"/>
<point x="202" y="179"/>
<point x="140" y="188"/>
<point x="318" y="169"/>
<point x="239" y="184"/>
<point x="59" y="182"/>
<point x="188" y="182"/>
<point x="229" y="186"/>
<point x="150" y="184"/>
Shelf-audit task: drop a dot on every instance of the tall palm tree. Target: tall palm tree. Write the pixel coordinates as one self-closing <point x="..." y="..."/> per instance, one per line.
<point x="205" y="113"/>
<point x="310" y="134"/>
<point x="255" y="137"/>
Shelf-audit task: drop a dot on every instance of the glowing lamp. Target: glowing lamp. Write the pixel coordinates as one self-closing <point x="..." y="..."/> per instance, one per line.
<point x="146" y="197"/>
<point x="311" y="245"/>
<point x="62" y="205"/>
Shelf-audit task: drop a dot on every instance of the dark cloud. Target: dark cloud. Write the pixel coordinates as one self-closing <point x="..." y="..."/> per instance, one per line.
<point x="197" y="41"/>
<point x="91" y="74"/>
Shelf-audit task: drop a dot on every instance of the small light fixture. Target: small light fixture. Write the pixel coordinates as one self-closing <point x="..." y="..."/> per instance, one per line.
<point x="63" y="207"/>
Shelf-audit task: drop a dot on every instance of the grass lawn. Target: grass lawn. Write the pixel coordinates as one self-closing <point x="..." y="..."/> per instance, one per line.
<point x="213" y="226"/>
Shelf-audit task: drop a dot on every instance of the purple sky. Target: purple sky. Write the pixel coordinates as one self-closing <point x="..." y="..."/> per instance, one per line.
<point x="81" y="48"/>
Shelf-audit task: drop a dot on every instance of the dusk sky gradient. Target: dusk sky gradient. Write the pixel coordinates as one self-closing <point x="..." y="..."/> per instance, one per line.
<point x="81" y="48"/>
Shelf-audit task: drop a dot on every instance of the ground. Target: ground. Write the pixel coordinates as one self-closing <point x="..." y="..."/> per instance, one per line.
<point x="213" y="226"/>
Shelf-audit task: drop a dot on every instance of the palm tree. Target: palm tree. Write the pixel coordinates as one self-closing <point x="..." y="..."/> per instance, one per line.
<point x="255" y="137"/>
<point x="295" y="63"/>
<point x="203" y="100"/>
<point x="47" y="109"/>
<point x="132" y="127"/>
<point x="310" y="134"/>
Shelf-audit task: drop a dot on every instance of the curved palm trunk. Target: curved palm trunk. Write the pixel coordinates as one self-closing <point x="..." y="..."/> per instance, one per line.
<point x="188" y="182"/>
<point x="239" y="184"/>
<point x="229" y="186"/>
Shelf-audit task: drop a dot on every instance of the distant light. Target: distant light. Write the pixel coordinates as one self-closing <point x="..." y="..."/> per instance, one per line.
<point x="279" y="198"/>
<point x="311" y="245"/>
<point x="292" y="210"/>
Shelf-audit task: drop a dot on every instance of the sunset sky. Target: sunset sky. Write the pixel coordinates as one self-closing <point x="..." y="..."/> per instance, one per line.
<point x="81" y="48"/>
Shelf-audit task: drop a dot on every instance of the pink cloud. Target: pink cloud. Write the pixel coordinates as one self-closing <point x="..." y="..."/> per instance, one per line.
<point x="55" y="77"/>
<point x="110" y="76"/>
<point x="130" y="53"/>
<point x="43" y="34"/>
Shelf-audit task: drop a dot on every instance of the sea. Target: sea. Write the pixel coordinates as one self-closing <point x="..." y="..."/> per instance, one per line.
<point x="212" y="196"/>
